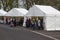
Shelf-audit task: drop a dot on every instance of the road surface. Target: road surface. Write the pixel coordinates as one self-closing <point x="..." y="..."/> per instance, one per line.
<point x="8" y="33"/>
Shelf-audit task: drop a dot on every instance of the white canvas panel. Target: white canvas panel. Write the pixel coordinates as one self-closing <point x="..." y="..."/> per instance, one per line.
<point x="57" y="23"/>
<point x="2" y="12"/>
<point x="24" y="21"/>
<point x="48" y="10"/>
<point x="25" y="18"/>
<point x="17" y="12"/>
<point x="34" y="11"/>
<point x="42" y="10"/>
<point x="50" y="23"/>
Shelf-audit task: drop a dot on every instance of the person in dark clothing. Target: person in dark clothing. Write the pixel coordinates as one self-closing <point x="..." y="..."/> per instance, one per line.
<point x="27" y="23"/>
<point x="33" y="24"/>
<point x="6" y="20"/>
<point x="14" y="22"/>
<point x="21" y="22"/>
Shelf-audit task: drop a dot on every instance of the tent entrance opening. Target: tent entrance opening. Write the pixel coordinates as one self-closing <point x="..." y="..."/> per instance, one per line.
<point x="38" y="22"/>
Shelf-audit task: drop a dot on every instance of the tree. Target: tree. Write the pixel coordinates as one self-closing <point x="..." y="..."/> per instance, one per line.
<point x="9" y="4"/>
<point x="54" y="3"/>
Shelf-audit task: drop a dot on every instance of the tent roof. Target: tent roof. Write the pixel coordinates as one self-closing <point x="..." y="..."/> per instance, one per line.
<point x="41" y="10"/>
<point x="2" y="12"/>
<point x="17" y="12"/>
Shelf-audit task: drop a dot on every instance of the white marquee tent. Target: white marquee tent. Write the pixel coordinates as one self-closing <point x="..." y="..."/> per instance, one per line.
<point x="51" y="16"/>
<point x="17" y="12"/>
<point x="2" y="12"/>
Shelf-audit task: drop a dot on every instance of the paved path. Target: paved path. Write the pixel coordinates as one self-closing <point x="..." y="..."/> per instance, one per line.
<point x="8" y="33"/>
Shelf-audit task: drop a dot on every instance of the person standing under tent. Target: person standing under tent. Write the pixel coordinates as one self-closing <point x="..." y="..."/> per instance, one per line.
<point x="14" y="22"/>
<point x="30" y="22"/>
<point x="6" y="20"/>
<point x="33" y="24"/>
<point x="27" y="23"/>
<point x="21" y="21"/>
<point x="39" y="23"/>
<point x="11" y="22"/>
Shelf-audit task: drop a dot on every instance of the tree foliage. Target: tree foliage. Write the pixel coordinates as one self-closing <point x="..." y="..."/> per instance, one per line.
<point x="9" y="4"/>
<point x="54" y="3"/>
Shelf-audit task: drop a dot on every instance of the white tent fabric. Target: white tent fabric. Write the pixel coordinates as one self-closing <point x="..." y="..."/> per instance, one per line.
<point x="2" y="12"/>
<point x="51" y="16"/>
<point x="17" y="12"/>
<point x="41" y="10"/>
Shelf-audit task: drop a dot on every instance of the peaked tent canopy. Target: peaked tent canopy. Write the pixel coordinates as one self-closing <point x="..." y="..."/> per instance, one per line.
<point x="17" y="12"/>
<point x="51" y="16"/>
<point x="42" y="10"/>
<point x="2" y="12"/>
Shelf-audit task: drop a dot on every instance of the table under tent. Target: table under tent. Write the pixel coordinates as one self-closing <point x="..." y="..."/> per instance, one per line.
<point x="50" y="17"/>
<point x="2" y="14"/>
<point x="17" y="13"/>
